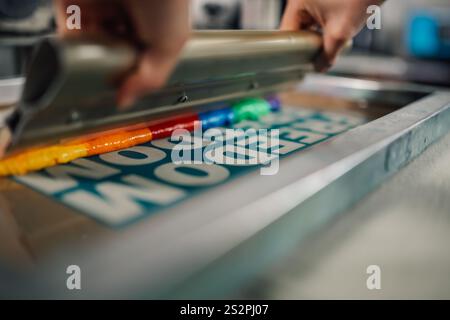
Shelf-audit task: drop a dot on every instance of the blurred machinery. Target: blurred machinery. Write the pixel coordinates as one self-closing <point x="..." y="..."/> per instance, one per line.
<point x="221" y="14"/>
<point x="429" y="34"/>
<point x="20" y="26"/>
<point x="237" y="14"/>
<point x="412" y="45"/>
<point x="399" y="27"/>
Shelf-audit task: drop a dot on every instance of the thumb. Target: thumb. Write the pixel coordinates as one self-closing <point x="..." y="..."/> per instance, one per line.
<point x="334" y="40"/>
<point x="149" y="75"/>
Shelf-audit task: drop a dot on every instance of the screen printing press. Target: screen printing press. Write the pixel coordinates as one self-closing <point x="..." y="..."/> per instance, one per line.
<point x="140" y="226"/>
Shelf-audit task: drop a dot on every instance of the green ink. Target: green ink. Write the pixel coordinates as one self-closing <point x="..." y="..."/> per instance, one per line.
<point x="250" y="109"/>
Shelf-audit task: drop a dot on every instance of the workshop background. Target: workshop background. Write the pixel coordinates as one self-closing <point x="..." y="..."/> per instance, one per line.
<point x="416" y="31"/>
<point x="404" y="226"/>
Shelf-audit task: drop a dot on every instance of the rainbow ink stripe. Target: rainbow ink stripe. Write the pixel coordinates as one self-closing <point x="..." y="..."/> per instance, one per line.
<point x="40" y="158"/>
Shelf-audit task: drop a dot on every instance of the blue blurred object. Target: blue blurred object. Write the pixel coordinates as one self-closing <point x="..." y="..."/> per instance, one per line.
<point x="429" y="34"/>
<point x="225" y="115"/>
<point x="216" y="118"/>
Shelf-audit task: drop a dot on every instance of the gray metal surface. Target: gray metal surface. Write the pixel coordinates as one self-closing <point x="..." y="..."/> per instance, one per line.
<point x="210" y="244"/>
<point x="386" y="92"/>
<point x="10" y="91"/>
<point x="7" y="62"/>
<point x="333" y="189"/>
<point x="403" y="227"/>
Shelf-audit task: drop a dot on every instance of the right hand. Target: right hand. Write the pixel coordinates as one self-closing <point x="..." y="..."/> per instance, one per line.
<point x="340" y="20"/>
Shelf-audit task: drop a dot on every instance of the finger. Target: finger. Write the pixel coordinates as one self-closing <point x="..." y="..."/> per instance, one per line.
<point x="291" y="18"/>
<point x="333" y="46"/>
<point x="150" y="74"/>
<point x="334" y="40"/>
<point x="297" y="17"/>
<point x="162" y="28"/>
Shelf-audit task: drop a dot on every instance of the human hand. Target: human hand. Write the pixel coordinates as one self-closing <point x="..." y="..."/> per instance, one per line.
<point x="340" y="20"/>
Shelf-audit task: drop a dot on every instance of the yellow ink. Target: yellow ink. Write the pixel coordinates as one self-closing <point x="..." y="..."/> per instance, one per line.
<point x="59" y="154"/>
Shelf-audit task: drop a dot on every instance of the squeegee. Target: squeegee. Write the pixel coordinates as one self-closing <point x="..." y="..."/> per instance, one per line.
<point x="67" y="109"/>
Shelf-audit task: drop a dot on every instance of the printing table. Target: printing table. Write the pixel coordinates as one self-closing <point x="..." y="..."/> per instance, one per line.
<point x="218" y="241"/>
